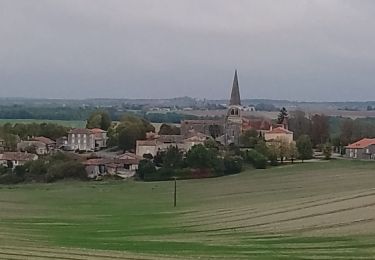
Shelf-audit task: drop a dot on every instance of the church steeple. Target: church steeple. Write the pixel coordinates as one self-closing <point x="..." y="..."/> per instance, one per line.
<point x="235" y="99"/>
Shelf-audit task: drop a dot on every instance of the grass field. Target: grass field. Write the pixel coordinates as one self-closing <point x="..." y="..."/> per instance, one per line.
<point x="323" y="210"/>
<point x="74" y="124"/>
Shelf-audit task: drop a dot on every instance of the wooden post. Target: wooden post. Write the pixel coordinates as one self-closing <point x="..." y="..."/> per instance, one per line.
<point x="175" y="192"/>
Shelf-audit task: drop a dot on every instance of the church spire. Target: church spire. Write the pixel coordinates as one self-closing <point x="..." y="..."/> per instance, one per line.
<point x="235" y="99"/>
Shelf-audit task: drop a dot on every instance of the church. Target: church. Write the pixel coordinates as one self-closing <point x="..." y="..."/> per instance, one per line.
<point x="229" y="129"/>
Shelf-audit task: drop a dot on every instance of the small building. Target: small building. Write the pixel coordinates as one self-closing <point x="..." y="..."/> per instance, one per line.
<point x="86" y="140"/>
<point x="96" y="167"/>
<point x="100" y="137"/>
<point x="50" y="144"/>
<point x="363" y="149"/>
<point x="31" y="146"/>
<point x="81" y="139"/>
<point x="13" y="159"/>
<point x="278" y="133"/>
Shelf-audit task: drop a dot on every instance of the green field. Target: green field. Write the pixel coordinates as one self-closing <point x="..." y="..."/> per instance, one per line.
<point x="320" y="210"/>
<point x="74" y="124"/>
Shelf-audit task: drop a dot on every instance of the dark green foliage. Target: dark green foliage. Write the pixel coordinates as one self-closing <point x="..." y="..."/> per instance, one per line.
<point x="262" y="148"/>
<point x="99" y="119"/>
<point x="169" y="117"/>
<point x="145" y="169"/>
<point x="258" y="160"/>
<point x="66" y="170"/>
<point x="199" y="157"/>
<point x="10" y="133"/>
<point x="232" y="164"/>
<point x="327" y="151"/>
<point x="148" y="156"/>
<point x="215" y="130"/>
<point x="167" y="129"/>
<point x="249" y="138"/>
<point x="173" y="158"/>
<point x="304" y="147"/>
<point x="282" y="115"/>
<point x="10" y="178"/>
<point x="130" y="130"/>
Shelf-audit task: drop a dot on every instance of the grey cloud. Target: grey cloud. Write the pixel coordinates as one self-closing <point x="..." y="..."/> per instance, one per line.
<point x="299" y="50"/>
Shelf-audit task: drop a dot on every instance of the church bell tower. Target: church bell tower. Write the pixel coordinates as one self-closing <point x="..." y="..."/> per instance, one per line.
<point x="233" y="120"/>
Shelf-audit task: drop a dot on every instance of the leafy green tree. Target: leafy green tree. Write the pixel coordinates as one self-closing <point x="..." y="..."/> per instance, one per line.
<point x="130" y="130"/>
<point x="199" y="157"/>
<point x="232" y="164"/>
<point x="327" y="151"/>
<point x="304" y="147"/>
<point x="99" y="119"/>
<point x="249" y="138"/>
<point x="145" y="168"/>
<point x="293" y="151"/>
<point x="173" y="158"/>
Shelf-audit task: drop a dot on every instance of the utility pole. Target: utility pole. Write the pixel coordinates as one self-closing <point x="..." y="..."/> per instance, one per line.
<point x="175" y="192"/>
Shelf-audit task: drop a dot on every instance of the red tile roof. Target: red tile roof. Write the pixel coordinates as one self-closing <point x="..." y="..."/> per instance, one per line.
<point x="365" y="142"/>
<point x="44" y="140"/>
<point x="80" y="131"/>
<point x="279" y="130"/>
<point x="97" y="131"/>
<point x="18" y="156"/>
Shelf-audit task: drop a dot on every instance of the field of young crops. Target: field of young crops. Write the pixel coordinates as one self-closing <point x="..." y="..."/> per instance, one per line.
<point x="73" y="124"/>
<point x="317" y="210"/>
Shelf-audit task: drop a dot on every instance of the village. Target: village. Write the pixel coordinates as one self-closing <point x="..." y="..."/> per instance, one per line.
<point x="90" y="146"/>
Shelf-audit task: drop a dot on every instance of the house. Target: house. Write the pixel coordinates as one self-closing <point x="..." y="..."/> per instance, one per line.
<point x="277" y="134"/>
<point x="31" y="146"/>
<point x="62" y="143"/>
<point x="96" y="167"/>
<point x="81" y="139"/>
<point x="163" y="142"/>
<point x="13" y="159"/>
<point x="362" y="149"/>
<point x="50" y="144"/>
<point x="100" y="137"/>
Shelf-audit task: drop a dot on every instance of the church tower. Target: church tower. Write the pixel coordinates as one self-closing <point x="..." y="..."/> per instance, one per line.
<point x="233" y="120"/>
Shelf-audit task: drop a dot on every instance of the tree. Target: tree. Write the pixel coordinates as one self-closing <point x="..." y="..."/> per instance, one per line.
<point x="293" y="151"/>
<point x="145" y="167"/>
<point x="299" y="124"/>
<point x="249" y="138"/>
<point x="304" y="147"/>
<point x="199" y="157"/>
<point x="319" y="129"/>
<point x="283" y="149"/>
<point x="282" y="115"/>
<point x="99" y="119"/>
<point x="327" y="151"/>
<point x="347" y="130"/>
<point x="167" y="129"/>
<point x="173" y="158"/>
<point x="130" y="130"/>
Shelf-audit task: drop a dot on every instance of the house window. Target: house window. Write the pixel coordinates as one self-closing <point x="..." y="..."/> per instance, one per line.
<point x="367" y="150"/>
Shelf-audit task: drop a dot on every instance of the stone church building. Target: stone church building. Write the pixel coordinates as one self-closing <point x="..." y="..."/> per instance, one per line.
<point x="227" y="130"/>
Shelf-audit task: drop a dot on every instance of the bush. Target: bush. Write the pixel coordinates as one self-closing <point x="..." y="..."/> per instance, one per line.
<point x="65" y="170"/>
<point x="232" y="164"/>
<point x="258" y="160"/>
<point x="145" y="169"/>
<point x="10" y="178"/>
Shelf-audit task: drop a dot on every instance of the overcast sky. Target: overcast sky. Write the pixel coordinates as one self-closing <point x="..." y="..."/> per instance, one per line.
<point x="296" y="50"/>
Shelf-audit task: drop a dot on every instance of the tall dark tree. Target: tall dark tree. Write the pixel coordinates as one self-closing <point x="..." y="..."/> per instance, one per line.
<point x="299" y="124"/>
<point x="347" y="131"/>
<point x="99" y="119"/>
<point x="282" y="115"/>
<point x="319" y="129"/>
<point x="304" y="147"/>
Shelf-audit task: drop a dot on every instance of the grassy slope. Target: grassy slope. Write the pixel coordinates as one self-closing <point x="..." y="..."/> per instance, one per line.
<point x="311" y="211"/>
